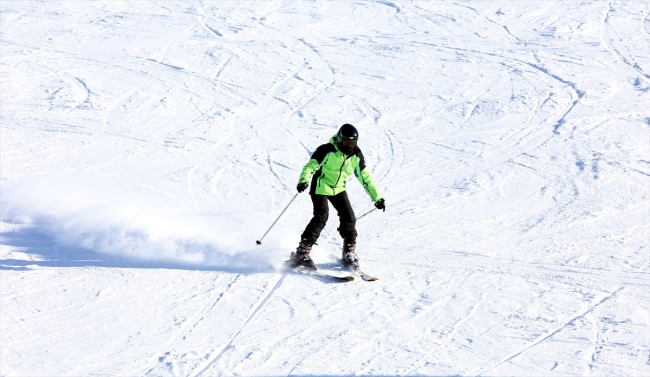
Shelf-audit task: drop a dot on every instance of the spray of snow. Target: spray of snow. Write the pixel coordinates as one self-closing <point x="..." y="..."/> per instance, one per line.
<point x="106" y="217"/>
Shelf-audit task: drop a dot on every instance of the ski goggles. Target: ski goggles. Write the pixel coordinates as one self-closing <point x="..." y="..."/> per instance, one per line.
<point x="349" y="143"/>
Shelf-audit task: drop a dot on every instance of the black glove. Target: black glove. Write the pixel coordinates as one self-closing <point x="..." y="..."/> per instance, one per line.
<point x="381" y="204"/>
<point x="302" y="186"/>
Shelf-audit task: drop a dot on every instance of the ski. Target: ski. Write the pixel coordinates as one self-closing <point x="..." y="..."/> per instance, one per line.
<point x="362" y="275"/>
<point x="321" y="273"/>
<point x="324" y="274"/>
<point x="365" y="276"/>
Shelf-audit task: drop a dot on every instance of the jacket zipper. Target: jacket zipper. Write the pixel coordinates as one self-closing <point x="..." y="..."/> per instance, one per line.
<point x="340" y="171"/>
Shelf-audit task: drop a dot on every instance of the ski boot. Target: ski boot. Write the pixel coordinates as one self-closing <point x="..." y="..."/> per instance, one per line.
<point x="300" y="258"/>
<point x="350" y="258"/>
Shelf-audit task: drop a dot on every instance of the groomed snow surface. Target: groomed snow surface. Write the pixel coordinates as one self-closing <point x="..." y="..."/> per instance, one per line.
<point x="146" y="146"/>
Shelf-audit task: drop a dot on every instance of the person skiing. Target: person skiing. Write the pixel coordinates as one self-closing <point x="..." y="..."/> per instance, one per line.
<point x="329" y="168"/>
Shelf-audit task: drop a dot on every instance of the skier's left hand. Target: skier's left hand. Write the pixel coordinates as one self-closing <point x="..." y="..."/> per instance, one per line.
<point x="381" y="204"/>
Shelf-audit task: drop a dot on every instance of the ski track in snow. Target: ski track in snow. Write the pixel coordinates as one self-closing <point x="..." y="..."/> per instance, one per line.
<point x="543" y="337"/>
<point x="190" y="325"/>
<point x="145" y="148"/>
<point x="272" y="286"/>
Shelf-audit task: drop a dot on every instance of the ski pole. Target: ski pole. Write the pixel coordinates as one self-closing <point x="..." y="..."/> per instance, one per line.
<point x="338" y="229"/>
<point x="366" y="213"/>
<point x="259" y="242"/>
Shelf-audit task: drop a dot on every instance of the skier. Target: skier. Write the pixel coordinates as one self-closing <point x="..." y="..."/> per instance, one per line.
<point x="331" y="165"/>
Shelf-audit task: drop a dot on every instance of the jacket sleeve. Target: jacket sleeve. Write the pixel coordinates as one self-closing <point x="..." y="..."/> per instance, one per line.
<point x="309" y="170"/>
<point x="315" y="162"/>
<point x="363" y="175"/>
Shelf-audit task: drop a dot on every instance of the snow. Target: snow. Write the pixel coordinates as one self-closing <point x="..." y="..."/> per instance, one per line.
<point x="146" y="146"/>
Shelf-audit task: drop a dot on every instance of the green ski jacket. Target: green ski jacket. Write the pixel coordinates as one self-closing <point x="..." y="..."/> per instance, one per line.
<point x="331" y="168"/>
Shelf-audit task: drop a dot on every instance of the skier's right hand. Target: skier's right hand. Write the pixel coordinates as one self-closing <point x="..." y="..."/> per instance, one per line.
<point x="302" y="186"/>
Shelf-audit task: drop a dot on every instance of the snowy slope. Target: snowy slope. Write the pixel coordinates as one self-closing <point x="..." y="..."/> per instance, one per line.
<point x="145" y="146"/>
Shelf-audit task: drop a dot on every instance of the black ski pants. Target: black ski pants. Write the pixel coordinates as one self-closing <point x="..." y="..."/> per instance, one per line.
<point x="343" y="208"/>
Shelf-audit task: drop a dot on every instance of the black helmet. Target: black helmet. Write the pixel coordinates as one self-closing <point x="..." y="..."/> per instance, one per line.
<point x="347" y="139"/>
<point x="348" y="132"/>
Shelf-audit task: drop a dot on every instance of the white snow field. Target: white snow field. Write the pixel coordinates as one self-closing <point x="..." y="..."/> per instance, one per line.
<point x="147" y="145"/>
